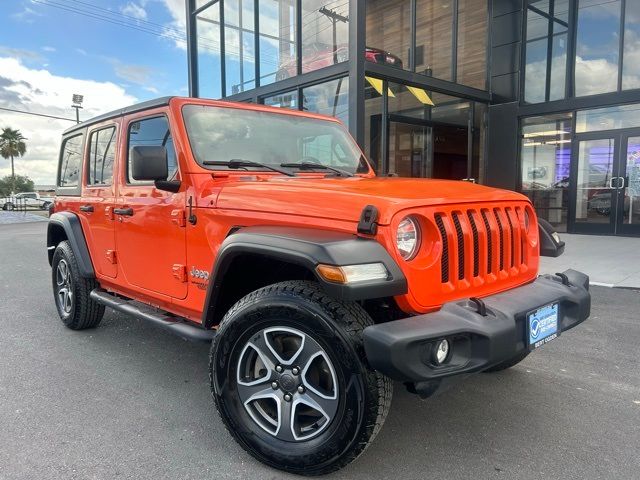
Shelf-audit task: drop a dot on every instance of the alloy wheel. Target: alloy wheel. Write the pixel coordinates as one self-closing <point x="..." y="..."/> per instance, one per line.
<point x="287" y="384"/>
<point x="64" y="284"/>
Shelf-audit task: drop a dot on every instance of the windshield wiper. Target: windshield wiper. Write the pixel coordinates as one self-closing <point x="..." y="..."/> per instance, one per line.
<point x="316" y="166"/>
<point x="236" y="163"/>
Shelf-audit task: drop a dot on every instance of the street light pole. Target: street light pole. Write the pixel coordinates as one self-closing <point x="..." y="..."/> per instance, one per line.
<point x="77" y="104"/>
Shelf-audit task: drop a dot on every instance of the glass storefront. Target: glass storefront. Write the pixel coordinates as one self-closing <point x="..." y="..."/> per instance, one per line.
<point x="277" y="30"/>
<point x="327" y="98"/>
<point x="545" y="162"/>
<point x="325" y="34"/>
<point x="208" y="35"/>
<point x="429" y="134"/>
<point x="587" y="180"/>
<point x="439" y="42"/>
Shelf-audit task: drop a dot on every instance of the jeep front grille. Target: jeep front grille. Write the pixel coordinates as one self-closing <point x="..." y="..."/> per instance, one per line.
<point x="481" y="243"/>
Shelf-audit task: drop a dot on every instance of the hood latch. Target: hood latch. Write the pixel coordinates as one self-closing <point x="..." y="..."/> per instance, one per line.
<point x="368" y="220"/>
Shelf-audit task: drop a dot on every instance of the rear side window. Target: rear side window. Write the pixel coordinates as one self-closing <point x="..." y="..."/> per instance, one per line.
<point x="155" y="132"/>
<point x="70" y="162"/>
<point x="102" y="152"/>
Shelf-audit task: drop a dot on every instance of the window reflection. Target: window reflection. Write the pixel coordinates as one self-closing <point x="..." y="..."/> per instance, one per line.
<point x="325" y="33"/>
<point x="330" y="98"/>
<point x="239" y="45"/>
<point x="433" y="38"/>
<point x="631" y="63"/>
<point x="547" y="33"/>
<point x="389" y="32"/>
<point x="545" y="164"/>
<point x="472" y="43"/>
<point x="283" y="100"/>
<point x="598" y="37"/>
<point x="277" y="40"/>
<point x="208" y="38"/>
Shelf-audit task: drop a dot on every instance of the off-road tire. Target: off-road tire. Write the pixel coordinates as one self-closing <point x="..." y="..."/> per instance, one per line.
<point x="508" y="363"/>
<point x="364" y="395"/>
<point x="84" y="312"/>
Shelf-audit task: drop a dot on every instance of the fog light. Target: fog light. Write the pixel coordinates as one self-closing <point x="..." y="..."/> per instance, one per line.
<point x="556" y="237"/>
<point x="442" y="351"/>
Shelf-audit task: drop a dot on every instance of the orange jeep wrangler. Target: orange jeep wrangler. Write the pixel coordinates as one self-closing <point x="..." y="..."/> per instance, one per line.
<point x="267" y="233"/>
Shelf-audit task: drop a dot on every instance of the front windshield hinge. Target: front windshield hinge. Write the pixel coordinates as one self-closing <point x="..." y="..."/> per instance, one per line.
<point x="368" y="223"/>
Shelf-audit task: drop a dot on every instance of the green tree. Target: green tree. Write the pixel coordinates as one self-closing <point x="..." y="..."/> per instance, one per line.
<point x="17" y="184"/>
<point x="12" y="144"/>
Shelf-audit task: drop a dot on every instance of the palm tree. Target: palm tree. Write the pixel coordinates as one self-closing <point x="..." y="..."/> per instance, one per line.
<point x="12" y="144"/>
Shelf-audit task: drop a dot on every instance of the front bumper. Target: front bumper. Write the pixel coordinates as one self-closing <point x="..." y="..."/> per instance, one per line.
<point x="403" y="349"/>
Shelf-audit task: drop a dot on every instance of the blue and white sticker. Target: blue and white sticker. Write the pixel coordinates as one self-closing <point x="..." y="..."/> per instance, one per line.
<point x="543" y="325"/>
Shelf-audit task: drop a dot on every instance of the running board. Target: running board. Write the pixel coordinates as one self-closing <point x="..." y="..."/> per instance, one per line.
<point x="167" y="322"/>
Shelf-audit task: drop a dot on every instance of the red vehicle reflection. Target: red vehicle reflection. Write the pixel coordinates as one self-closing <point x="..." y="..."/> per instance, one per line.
<point x="320" y="55"/>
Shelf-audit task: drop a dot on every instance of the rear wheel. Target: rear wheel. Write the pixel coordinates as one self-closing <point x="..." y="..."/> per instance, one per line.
<point x="290" y="380"/>
<point x="512" y="362"/>
<point x="71" y="291"/>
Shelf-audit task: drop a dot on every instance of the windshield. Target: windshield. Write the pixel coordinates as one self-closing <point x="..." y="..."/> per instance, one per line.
<point x="224" y="134"/>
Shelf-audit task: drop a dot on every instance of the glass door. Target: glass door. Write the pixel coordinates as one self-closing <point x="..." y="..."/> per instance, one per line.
<point x="594" y="193"/>
<point x="628" y="186"/>
<point x="410" y="150"/>
<point x="605" y="183"/>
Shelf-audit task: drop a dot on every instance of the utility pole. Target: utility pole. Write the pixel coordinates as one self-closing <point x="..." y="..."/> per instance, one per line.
<point x="77" y="104"/>
<point x="335" y="17"/>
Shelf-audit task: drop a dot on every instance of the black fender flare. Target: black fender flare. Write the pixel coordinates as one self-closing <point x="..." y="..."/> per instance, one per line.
<point x="70" y="223"/>
<point x="308" y="247"/>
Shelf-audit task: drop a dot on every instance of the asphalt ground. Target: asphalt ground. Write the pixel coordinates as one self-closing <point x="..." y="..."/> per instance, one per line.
<point x="127" y="400"/>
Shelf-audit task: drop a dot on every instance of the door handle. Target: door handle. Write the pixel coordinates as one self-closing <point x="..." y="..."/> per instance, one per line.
<point x="86" y="208"/>
<point x="128" y="212"/>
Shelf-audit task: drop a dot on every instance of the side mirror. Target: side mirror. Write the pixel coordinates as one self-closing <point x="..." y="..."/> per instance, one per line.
<point x="149" y="163"/>
<point x="550" y="243"/>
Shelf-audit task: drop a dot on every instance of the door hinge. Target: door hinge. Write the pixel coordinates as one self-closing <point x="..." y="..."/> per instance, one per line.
<point x="111" y="256"/>
<point x="180" y="272"/>
<point x="179" y="217"/>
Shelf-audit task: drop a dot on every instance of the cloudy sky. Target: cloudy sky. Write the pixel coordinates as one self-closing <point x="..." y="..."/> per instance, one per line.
<point x="114" y="52"/>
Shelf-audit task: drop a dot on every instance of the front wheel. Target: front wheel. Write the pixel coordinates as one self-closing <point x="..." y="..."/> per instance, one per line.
<point x="8" y="206"/>
<point x="290" y="379"/>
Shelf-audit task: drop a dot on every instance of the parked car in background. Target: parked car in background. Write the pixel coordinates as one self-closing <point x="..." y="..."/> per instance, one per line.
<point x="29" y="200"/>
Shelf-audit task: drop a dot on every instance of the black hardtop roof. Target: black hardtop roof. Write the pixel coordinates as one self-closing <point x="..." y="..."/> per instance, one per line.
<point x="138" y="107"/>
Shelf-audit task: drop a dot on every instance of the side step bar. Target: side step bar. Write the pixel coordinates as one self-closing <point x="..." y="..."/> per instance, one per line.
<point x="167" y="322"/>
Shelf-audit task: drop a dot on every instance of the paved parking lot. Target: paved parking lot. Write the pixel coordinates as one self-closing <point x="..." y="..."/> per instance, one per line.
<point x="129" y="401"/>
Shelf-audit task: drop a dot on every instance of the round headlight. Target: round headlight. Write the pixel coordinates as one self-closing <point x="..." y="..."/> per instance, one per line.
<point x="408" y="238"/>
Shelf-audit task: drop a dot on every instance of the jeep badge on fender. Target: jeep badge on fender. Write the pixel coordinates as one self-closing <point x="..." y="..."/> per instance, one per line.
<point x="316" y="282"/>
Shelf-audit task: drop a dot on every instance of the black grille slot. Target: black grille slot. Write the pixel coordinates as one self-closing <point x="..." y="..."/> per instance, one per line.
<point x="444" y="259"/>
<point x="500" y="231"/>
<point x="460" y="237"/>
<point x="487" y="226"/>
<point x="476" y="248"/>
<point x="523" y="238"/>
<point x="513" y="240"/>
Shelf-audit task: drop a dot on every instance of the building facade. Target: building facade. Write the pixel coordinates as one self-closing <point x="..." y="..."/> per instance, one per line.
<point x="539" y="96"/>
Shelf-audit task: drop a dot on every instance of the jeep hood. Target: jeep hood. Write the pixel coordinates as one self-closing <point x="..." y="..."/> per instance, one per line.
<point x="344" y="198"/>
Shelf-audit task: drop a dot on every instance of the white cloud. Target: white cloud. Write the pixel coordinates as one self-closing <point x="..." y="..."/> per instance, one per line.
<point x="47" y="48"/>
<point x="134" y="10"/>
<point x="39" y="91"/>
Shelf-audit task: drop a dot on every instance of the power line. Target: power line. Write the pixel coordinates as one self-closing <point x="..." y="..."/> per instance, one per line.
<point x="37" y="114"/>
